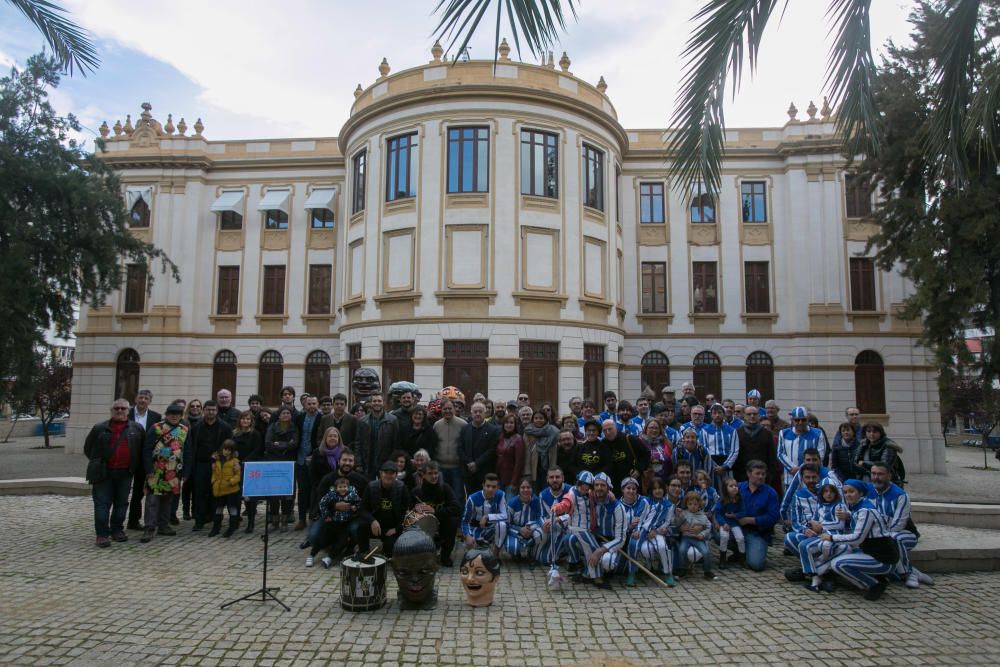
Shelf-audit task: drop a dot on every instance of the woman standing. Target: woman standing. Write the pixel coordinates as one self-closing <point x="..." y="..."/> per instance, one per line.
<point x="539" y="438"/>
<point x="660" y="455"/>
<point x="249" y="447"/>
<point x="510" y="455"/>
<point x="844" y="451"/>
<point x="549" y="411"/>
<point x="420" y="435"/>
<point x="876" y="447"/>
<point x="281" y="444"/>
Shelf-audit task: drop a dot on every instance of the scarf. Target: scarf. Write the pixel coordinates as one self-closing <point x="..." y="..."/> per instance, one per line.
<point x="332" y="455"/>
<point x="544" y="437"/>
<point x="752" y="430"/>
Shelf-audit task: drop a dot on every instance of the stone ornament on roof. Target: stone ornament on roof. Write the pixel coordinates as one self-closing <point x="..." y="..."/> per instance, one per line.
<point x="504" y="51"/>
<point x="147" y="129"/>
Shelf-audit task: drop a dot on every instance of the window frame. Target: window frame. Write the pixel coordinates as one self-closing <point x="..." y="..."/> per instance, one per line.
<point x="695" y="277"/>
<point x="750" y="299"/>
<point x="652" y="276"/>
<point x="275" y="220"/>
<point x="861" y="275"/>
<point x="480" y="182"/>
<point x="396" y="148"/>
<point x="230" y="221"/>
<point x="359" y="175"/>
<point x="592" y="159"/>
<point x="313" y="305"/>
<point x="696" y="203"/>
<point x="223" y="284"/>
<point x="753" y="194"/>
<point x="134" y="297"/>
<point x="324" y="224"/>
<point x="274" y="293"/>
<point x="652" y="196"/>
<point x="857" y="194"/>
<point x="529" y="141"/>
<point x="145" y="215"/>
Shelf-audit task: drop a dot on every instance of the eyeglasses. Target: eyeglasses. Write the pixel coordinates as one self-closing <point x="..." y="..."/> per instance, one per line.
<point x="799" y="421"/>
<point x="119" y="408"/>
<point x="522" y="398"/>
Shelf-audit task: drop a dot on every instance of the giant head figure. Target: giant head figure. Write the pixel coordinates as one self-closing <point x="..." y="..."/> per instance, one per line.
<point x="366" y="383"/>
<point x="480" y="571"/>
<point x="414" y="562"/>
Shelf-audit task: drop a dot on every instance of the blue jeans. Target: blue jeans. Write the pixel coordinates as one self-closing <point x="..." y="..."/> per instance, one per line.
<point x="701" y="546"/>
<point x="305" y="490"/>
<point x="453" y="478"/>
<point x="111" y="502"/>
<point x="756" y="556"/>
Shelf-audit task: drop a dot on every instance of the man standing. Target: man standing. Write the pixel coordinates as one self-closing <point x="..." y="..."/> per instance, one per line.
<point x="697" y="420"/>
<point x="227" y="412"/>
<point x="203" y="441"/>
<point x="551" y="494"/>
<point x="734" y="420"/>
<point x="448" y="430"/>
<point x="760" y="505"/>
<point x="340" y="419"/>
<point x="145" y="418"/>
<point x="723" y="446"/>
<point x="386" y="502"/>
<point x="777" y="423"/>
<point x="576" y="406"/>
<point x="753" y="398"/>
<point x="287" y="401"/>
<point x="325" y="405"/>
<point x="642" y="415"/>
<point x="477" y="447"/>
<point x="307" y="422"/>
<point x="795" y="440"/>
<point x="523" y="400"/>
<point x="629" y="458"/>
<point x="407" y="401"/>
<point x="378" y="433"/>
<point x="114" y="449"/>
<point x="610" y="406"/>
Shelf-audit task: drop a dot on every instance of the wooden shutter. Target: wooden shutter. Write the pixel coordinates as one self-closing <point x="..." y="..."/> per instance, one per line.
<point x="466" y="366"/>
<point x="862" y="284"/>
<point x="135" y="289"/>
<point x="320" y="289"/>
<point x="655" y="373"/>
<point x="593" y="372"/>
<point x="274" y="291"/>
<point x="224" y="372"/>
<point x="705" y="297"/>
<point x="858" y="196"/>
<point x="397" y="362"/>
<point x="758" y="288"/>
<point x="228" y="301"/>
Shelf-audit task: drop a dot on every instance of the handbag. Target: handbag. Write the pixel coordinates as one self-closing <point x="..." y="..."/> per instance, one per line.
<point x="97" y="468"/>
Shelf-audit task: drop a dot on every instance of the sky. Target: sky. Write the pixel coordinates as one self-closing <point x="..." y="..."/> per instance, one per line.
<point x="255" y="69"/>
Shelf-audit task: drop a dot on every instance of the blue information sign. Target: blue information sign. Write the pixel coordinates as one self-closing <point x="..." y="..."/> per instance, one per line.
<point x="268" y="478"/>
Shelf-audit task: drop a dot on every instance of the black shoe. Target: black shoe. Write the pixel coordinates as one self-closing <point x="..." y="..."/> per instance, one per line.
<point x="875" y="592"/>
<point x="133" y="526"/>
<point x="187" y="515"/>
<point x="174" y="521"/>
<point x="710" y="575"/>
<point x="795" y="574"/>
<point x="168" y="531"/>
<point x="216" y="526"/>
<point x="147" y="535"/>
<point x="603" y="584"/>
<point x="446" y="561"/>
<point x="234" y="523"/>
<point x="197" y="526"/>
<point x="305" y="544"/>
<point x="251" y="519"/>
<point x="828" y="587"/>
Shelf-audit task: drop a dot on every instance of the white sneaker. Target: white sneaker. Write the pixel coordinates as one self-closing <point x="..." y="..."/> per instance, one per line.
<point x="327" y="562"/>
<point x="309" y="561"/>
<point x="924" y="578"/>
<point x="913" y="580"/>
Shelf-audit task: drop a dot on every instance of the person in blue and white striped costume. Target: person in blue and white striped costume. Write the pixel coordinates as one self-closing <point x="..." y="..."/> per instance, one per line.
<point x="554" y="491"/>
<point x="894" y="505"/>
<point x="874" y="553"/>
<point x="810" y="457"/>
<point x="692" y="449"/>
<point x="485" y="517"/>
<point x="578" y="506"/>
<point x="611" y="527"/>
<point x="795" y="440"/>
<point x="632" y="503"/>
<point x="722" y="444"/>
<point x="524" y="529"/>
<point x="803" y="507"/>
<point x="816" y="554"/>
<point x="649" y="537"/>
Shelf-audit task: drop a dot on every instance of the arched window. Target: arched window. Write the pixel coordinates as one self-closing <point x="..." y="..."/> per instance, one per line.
<point x="318" y="374"/>
<point x="707" y="375"/>
<point x="869" y="383"/>
<point x="127" y="375"/>
<point x="760" y="375"/>
<point x="224" y="372"/>
<point x="270" y="377"/>
<point x="139" y="215"/>
<point x="655" y="373"/>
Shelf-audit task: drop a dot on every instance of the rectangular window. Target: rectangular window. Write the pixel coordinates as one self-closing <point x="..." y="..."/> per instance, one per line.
<point x="706" y="287"/>
<point x="593" y="371"/>
<point x="468" y="159"/>
<point x="618" y="193"/>
<point x="228" y="298"/>
<point x="135" y="288"/>
<point x="654" y="287"/>
<point x="230" y="221"/>
<point x="275" y="219"/>
<point x="758" y="287"/>
<point x="322" y="218"/>
<point x="862" y="284"/>
<point x="353" y="358"/>
<point x="651" y="208"/>
<point x="358" y="182"/>
<point x="702" y="205"/>
<point x="753" y="200"/>
<point x="273" y="297"/>
<point x="320" y="288"/>
<point x="539" y="164"/>
<point x="400" y="181"/>
<point x="858" y="195"/>
<point x="593" y="177"/>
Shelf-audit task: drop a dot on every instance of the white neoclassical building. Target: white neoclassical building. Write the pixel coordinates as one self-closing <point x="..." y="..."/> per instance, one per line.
<point x="501" y="231"/>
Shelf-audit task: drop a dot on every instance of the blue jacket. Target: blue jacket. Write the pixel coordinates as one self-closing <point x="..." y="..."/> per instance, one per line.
<point x="521" y="514"/>
<point x="658" y="513"/>
<point x="762" y="505"/>
<point x="796" y="484"/>
<point x="476" y="507"/>
<point x="893" y="504"/>
<point x="803" y="508"/>
<point x="722" y="441"/>
<point x="722" y="509"/>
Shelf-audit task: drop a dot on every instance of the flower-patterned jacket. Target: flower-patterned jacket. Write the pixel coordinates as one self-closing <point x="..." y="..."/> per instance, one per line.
<point x="163" y="457"/>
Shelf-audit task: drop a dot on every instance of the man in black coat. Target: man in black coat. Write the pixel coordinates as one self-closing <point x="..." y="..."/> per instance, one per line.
<point x="204" y="440"/>
<point x="629" y="457"/>
<point x="756" y="443"/>
<point x="433" y="497"/>
<point x="477" y="447"/>
<point x="385" y="503"/>
<point x="145" y="418"/>
<point x="227" y="411"/>
<point x="114" y="448"/>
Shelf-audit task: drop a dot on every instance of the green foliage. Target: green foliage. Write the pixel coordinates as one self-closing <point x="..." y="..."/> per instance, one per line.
<point x="70" y="44"/>
<point x="63" y="234"/>
<point x="537" y="22"/>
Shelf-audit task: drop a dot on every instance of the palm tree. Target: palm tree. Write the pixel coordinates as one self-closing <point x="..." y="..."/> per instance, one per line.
<point x="728" y="33"/>
<point x="69" y="43"/>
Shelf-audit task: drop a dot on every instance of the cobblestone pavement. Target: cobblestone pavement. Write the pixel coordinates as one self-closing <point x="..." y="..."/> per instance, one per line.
<point x="64" y="601"/>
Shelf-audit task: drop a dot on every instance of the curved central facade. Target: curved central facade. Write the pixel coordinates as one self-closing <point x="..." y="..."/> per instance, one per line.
<point x="494" y="227"/>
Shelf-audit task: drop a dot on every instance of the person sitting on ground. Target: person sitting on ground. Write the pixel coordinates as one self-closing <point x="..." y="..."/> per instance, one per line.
<point x="809" y="457"/>
<point x="579" y="541"/>
<point x="760" y="503"/>
<point x="484" y="522"/>
<point x="337" y="509"/>
<point x="226" y="476"/>
<point x="345" y="468"/>
<point x="695" y="532"/>
<point x="874" y="554"/>
<point x="524" y="515"/>
<point x="385" y="504"/>
<point x="435" y="497"/>
<point x="556" y="487"/>
<point x="610" y="530"/>
<point x="802" y="507"/>
<point x="650" y="534"/>
<point x="893" y="503"/>
<point x="816" y="554"/>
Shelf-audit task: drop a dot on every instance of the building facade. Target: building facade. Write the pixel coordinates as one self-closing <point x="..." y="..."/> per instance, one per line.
<point x="499" y="230"/>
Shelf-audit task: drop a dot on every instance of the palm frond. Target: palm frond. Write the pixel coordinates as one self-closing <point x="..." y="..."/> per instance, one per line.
<point x="950" y="81"/>
<point x="70" y="44"/>
<point x="981" y="130"/>
<point x="727" y="31"/>
<point x="850" y="77"/>
<point x="536" y="22"/>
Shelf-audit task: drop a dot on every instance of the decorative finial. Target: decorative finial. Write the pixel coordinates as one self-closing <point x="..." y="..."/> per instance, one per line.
<point x="104" y="130"/>
<point x="182" y="127"/>
<point x="504" y="50"/>
<point x="198" y="127"/>
<point x="602" y="85"/>
<point x="826" y="111"/>
<point x="551" y="63"/>
<point x="811" y="110"/>
<point x="564" y="62"/>
<point x="118" y="128"/>
<point x="436" y="51"/>
<point x="383" y="68"/>
<point x="146" y="108"/>
<point x="792" y="111"/>
<point x="169" y="127"/>
<point x="128" y="125"/>
<point x="358" y="92"/>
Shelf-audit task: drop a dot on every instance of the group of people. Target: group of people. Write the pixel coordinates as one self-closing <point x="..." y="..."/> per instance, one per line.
<point x="658" y="486"/>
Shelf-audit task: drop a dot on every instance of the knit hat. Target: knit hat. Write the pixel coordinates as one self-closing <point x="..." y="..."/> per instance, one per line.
<point x="716" y="405"/>
<point x="753" y="393"/>
<point x="604" y="478"/>
<point x="630" y="480"/>
<point x="799" y="412"/>
<point x="585" y="477"/>
<point x="859" y="485"/>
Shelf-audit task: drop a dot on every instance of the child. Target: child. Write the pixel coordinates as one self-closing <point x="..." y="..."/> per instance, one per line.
<point x="337" y="508"/>
<point x="649" y="538"/>
<point x="728" y="513"/>
<point x="815" y="553"/>
<point x="696" y="528"/>
<point x="709" y="496"/>
<point x="226" y="487"/>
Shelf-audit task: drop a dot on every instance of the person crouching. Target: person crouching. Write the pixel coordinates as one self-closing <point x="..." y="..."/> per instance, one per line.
<point x="226" y="488"/>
